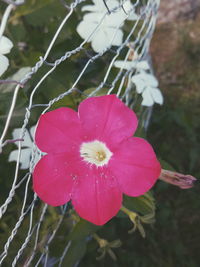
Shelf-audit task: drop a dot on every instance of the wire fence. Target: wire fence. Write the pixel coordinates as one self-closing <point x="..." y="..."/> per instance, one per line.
<point x="136" y="41"/>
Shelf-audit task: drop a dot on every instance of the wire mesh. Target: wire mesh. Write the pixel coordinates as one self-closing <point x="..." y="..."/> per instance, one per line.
<point x="137" y="40"/>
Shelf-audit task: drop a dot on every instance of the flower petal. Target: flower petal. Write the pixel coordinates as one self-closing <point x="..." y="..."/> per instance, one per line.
<point x="4" y="63"/>
<point x="5" y="45"/>
<point x="100" y="41"/>
<point x="85" y="29"/>
<point x="24" y="157"/>
<point x="115" y="20"/>
<point x="148" y="100"/>
<point x="32" y="131"/>
<point x="125" y="65"/>
<point x="27" y="142"/>
<point x="150" y="79"/>
<point x="114" y="36"/>
<point x="143" y="65"/>
<point x="135" y="166"/>
<point x="107" y="119"/>
<point x="58" y="131"/>
<point x="91" y="8"/>
<point x="157" y="95"/>
<point x="128" y="7"/>
<point x="139" y="65"/>
<point x="139" y="83"/>
<point x="96" y="196"/>
<point x="51" y="179"/>
<point x="105" y="38"/>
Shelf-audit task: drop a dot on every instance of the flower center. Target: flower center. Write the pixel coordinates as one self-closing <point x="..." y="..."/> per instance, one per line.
<point x="95" y="152"/>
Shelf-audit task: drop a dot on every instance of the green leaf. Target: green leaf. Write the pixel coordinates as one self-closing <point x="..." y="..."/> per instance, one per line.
<point x="78" y="238"/>
<point x="143" y="204"/>
<point x="29" y="7"/>
<point x="82" y="230"/>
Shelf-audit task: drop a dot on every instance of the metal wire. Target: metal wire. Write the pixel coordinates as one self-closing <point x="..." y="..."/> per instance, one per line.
<point x="144" y="26"/>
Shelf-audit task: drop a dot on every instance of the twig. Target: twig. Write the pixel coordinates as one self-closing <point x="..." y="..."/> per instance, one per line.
<point x="11" y="81"/>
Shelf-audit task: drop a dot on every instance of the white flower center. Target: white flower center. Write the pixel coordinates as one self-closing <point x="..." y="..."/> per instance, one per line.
<point x="95" y="152"/>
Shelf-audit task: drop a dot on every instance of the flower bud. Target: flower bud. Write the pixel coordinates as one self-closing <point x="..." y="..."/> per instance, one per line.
<point x="178" y="179"/>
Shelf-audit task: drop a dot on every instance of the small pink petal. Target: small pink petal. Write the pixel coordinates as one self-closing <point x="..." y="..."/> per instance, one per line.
<point x="108" y="119"/>
<point x="51" y="180"/>
<point x="58" y="131"/>
<point x="135" y="166"/>
<point x="96" y="196"/>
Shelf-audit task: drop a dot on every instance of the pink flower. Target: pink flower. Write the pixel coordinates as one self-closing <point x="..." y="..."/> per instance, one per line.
<point x="92" y="158"/>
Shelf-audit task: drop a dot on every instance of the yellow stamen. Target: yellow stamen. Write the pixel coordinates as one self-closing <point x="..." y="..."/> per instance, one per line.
<point x="100" y="155"/>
